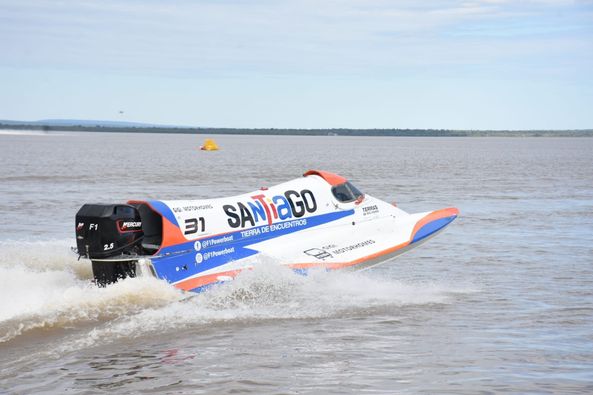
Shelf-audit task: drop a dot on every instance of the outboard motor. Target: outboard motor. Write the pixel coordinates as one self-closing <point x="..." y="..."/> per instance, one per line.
<point x="110" y="236"/>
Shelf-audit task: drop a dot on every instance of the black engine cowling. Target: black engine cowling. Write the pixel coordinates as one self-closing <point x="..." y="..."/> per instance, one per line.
<point x="106" y="230"/>
<point x="109" y="231"/>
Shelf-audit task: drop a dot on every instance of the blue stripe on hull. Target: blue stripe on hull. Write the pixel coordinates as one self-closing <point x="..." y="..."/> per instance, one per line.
<point x="183" y="260"/>
<point x="431" y="228"/>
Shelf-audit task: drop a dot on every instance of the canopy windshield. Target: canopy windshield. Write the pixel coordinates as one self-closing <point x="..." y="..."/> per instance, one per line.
<point x="346" y="192"/>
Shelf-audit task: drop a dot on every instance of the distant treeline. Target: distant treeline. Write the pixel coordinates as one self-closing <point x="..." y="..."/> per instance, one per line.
<point x="310" y="132"/>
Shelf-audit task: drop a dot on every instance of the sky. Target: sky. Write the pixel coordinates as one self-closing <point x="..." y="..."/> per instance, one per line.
<point x="467" y="64"/>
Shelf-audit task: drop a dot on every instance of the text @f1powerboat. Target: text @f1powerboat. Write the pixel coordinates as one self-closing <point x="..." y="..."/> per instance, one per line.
<point x="317" y="221"/>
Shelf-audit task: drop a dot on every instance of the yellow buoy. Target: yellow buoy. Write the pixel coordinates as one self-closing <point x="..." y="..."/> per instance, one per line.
<point x="209" y="145"/>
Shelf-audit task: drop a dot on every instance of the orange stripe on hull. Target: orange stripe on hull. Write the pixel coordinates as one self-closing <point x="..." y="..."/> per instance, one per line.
<point x="201" y="281"/>
<point x="196" y="282"/>
<point x="444" y="213"/>
<point x="171" y="234"/>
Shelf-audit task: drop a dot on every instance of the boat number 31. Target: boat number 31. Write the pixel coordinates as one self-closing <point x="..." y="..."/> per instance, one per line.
<point x="193" y="225"/>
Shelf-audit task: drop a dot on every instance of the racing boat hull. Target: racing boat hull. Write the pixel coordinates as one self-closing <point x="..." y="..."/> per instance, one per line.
<point x="317" y="221"/>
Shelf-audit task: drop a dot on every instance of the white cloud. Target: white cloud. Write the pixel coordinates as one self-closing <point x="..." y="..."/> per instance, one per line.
<point x="279" y="37"/>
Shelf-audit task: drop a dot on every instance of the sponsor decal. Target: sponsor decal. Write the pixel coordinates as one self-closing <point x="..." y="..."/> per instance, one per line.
<point x="251" y="232"/>
<point x="370" y="210"/>
<point x="291" y="204"/>
<point x="342" y="250"/>
<point x="287" y="225"/>
<point x="198" y="207"/>
<point x="79" y="226"/>
<point x="212" y="242"/>
<point x="295" y="223"/>
<point x="129" y="226"/>
<point x="203" y="256"/>
<point x="214" y="254"/>
<point x="318" y="253"/>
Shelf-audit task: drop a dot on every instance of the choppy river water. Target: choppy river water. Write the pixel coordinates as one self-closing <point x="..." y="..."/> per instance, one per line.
<point x="500" y="302"/>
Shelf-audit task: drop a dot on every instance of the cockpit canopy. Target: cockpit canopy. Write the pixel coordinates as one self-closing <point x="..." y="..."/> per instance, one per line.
<point x="342" y="189"/>
<point x="346" y="192"/>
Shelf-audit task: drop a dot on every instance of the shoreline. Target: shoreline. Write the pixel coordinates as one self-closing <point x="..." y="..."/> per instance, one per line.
<point x="304" y="132"/>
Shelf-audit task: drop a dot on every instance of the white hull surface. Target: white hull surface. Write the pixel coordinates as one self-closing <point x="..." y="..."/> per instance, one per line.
<point x="316" y="221"/>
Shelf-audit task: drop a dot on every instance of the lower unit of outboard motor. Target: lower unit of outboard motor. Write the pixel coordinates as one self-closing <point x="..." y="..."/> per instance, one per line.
<point x="110" y="236"/>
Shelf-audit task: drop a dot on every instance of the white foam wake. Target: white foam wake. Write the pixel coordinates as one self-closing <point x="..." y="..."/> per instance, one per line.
<point x="268" y="292"/>
<point x="42" y="286"/>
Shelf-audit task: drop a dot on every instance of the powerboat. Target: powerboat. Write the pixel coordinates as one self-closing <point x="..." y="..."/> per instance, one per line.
<point x="318" y="221"/>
